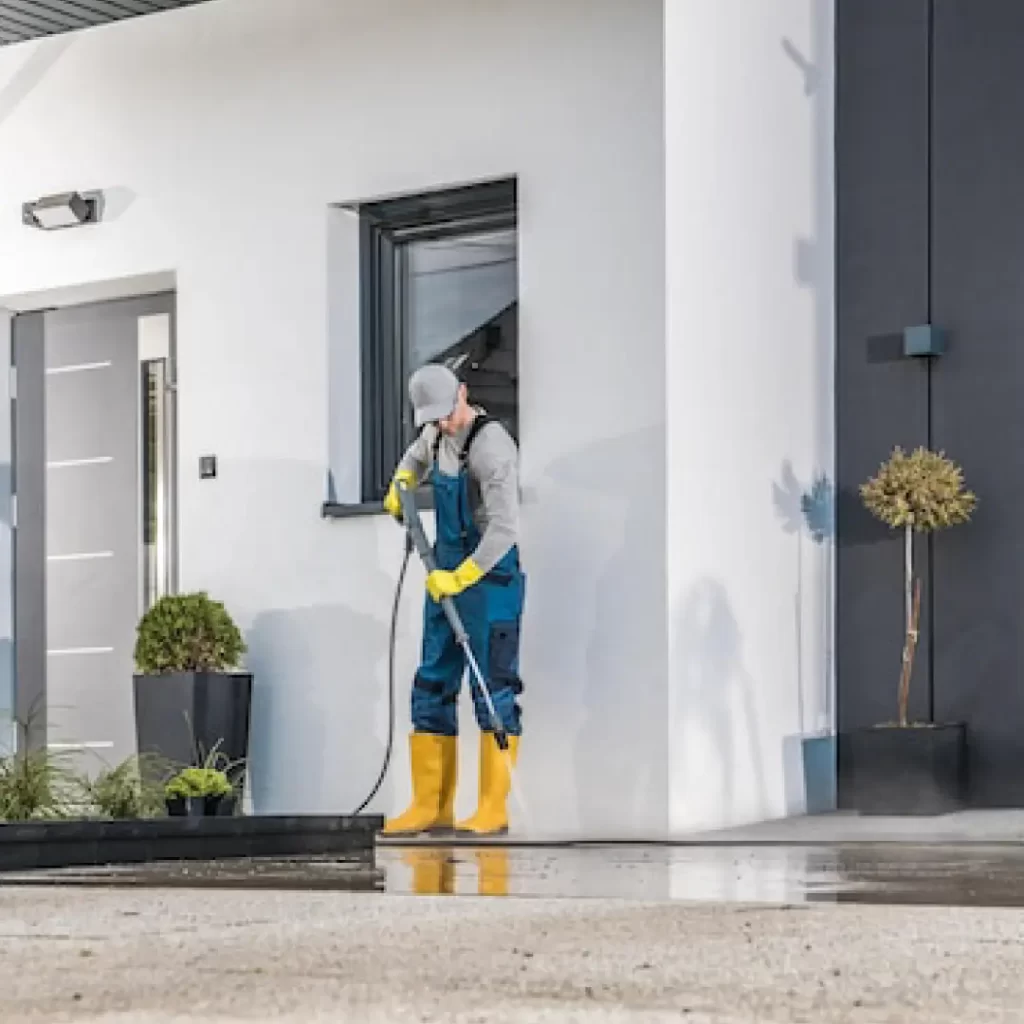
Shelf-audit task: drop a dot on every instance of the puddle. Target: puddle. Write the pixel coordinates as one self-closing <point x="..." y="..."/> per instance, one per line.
<point x="883" y="874"/>
<point x="968" y="876"/>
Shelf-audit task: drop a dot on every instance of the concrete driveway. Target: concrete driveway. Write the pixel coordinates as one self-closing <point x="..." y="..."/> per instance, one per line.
<point x="157" y="956"/>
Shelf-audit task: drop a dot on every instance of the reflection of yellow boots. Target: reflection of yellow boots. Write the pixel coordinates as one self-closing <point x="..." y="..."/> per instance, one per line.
<point x="433" y="872"/>
<point x="434" y="765"/>
<point x="492" y="872"/>
<point x="491" y="818"/>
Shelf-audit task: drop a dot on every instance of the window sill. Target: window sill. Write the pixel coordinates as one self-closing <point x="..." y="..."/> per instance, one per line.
<point x="336" y="510"/>
<point x="362" y="510"/>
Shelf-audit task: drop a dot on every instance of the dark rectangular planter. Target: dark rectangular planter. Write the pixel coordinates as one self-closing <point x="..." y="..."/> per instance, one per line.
<point x="917" y="770"/>
<point x="62" y="844"/>
<point x="183" y="716"/>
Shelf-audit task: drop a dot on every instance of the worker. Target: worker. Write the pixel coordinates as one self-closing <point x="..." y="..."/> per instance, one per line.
<point x="471" y="462"/>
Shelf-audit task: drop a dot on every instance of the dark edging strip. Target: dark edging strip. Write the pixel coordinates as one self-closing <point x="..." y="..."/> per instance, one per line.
<point x="37" y="845"/>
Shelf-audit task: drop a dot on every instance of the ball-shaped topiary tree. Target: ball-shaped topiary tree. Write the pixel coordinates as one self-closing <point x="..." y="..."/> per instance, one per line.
<point x="920" y="492"/>
<point x="187" y="633"/>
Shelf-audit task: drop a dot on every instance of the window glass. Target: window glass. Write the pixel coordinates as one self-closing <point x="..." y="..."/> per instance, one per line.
<point x="458" y="309"/>
<point x="439" y="283"/>
<point x="453" y="287"/>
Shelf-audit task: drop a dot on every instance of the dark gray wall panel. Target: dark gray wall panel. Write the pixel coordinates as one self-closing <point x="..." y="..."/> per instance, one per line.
<point x="882" y="283"/>
<point x="978" y="416"/>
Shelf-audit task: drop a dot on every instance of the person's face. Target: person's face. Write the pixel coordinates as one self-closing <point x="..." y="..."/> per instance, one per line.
<point x="451" y="425"/>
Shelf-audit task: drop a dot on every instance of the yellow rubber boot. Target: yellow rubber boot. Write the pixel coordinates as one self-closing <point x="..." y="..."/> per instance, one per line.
<point x="427" y="756"/>
<point x="491" y="818"/>
<point x="449" y="778"/>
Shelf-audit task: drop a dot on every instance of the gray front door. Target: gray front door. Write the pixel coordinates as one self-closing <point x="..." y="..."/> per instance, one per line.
<point x="101" y="492"/>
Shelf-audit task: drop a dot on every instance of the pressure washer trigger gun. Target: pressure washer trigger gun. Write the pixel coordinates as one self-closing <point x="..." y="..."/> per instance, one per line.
<point x="417" y="535"/>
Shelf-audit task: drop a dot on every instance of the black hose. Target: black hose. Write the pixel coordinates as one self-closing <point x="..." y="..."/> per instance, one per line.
<point x="391" y="678"/>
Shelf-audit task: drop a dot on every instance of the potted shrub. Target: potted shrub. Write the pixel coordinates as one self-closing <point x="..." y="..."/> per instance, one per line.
<point x="191" y="695"/>
<point x="909" y="767"/>
<point x="196" y="792"/>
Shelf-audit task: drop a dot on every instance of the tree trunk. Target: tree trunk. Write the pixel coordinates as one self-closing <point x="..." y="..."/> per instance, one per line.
<point x="912" y="595"/>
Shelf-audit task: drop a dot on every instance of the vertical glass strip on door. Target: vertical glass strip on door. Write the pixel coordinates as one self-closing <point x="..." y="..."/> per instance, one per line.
<point x="155" y="575"/>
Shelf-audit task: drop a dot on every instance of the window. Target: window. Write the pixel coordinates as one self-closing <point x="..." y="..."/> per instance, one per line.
<point x="439" y="284"/>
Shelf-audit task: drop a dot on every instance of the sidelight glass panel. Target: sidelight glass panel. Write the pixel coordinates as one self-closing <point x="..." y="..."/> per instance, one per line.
<point x="155" y="520"/>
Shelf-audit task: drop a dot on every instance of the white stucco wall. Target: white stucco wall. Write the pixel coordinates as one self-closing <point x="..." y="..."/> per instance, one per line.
<point x="749" y="93"/>
<point x="222" y="133"/>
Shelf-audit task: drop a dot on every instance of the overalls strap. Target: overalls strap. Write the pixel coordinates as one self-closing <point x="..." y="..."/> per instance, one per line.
<point x="478" y="424"/>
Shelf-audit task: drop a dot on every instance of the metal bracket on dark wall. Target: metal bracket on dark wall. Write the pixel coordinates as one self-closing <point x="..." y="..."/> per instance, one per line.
<point x="923" y="340"/>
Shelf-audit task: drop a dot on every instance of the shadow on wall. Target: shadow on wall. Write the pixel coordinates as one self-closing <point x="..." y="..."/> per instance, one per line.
<point x="813" y="269"/>
<point x="35" y="68"/>
<point x="809" y="512"/>
<point x="117" y="201"/>
<point x="716" y="700"/>
<point x="316" y="597"/>
<point x="787" y="495"/>
<point x="620" y="745"/>
<point x="318" y="717"/>
<point x="813" y="257"/>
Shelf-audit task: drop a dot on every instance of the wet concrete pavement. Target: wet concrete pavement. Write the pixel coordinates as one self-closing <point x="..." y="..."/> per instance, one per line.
<point x="154" y="956"/>
<point x="847" y="934"/>
<point x="968" y="875"/>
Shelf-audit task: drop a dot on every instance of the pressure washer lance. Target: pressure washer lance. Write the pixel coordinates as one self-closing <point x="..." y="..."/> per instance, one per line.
<point x="414" y="526"/>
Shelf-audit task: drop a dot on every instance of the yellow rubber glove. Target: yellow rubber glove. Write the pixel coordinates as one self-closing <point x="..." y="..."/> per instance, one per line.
<point x="442" y="583"/>
<point x="392" y="501"/>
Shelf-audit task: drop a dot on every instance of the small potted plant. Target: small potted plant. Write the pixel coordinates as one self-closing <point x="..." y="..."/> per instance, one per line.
<point x="196" y="792"/>
<point x="906" y="766"/>
<point x="191" y="694"/>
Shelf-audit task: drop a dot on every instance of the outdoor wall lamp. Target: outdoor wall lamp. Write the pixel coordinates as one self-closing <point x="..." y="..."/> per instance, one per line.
<point x="66" y="210"/>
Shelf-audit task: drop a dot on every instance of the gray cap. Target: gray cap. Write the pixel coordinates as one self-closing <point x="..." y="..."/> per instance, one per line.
<point x="434" y="392"/>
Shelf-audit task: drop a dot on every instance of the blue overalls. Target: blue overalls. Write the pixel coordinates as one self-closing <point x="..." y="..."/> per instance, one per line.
<point x="491" y="611"/>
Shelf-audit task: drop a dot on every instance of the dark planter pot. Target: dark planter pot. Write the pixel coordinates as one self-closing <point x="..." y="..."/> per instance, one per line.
<point x="183" y="716"/>
<point x="195" y="806"/>
<point x="918" y="770"/>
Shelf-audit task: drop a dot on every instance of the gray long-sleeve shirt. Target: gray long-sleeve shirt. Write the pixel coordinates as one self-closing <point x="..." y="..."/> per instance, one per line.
<point x="493" y="464"/>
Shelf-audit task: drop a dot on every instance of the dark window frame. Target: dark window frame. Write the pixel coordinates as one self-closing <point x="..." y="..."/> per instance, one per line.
<point x="385" y="226"/>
